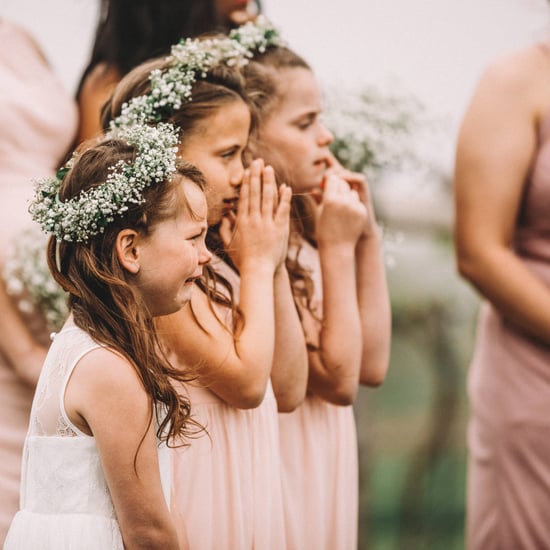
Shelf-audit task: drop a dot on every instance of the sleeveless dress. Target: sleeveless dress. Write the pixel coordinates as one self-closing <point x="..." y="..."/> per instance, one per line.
<point x="319" y="461"/>
<point x="65" y="501"/>
<point x="509" y="390"/>
<point x="38" y="121"/>
<point x="226" y="486"/>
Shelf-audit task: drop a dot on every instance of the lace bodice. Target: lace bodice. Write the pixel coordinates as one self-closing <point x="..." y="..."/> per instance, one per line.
<point x="61" y="467"/>
<point x="62" y="470"/>
<point x="48" y="416"/>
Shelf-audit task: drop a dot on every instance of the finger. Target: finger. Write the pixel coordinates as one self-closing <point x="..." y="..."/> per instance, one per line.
<point x="331" y="186"/>
<point x="269" y="192"/>
<point x="332" y="161"/>
<point x="283" y="208"/>
<point x="226" y="232"/>
<point x="244" y="194"/>
<point x="255" y="193"/>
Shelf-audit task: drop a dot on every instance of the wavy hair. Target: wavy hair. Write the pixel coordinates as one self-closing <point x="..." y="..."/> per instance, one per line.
<point x="221" y="86"/>
<point x="262" y="77"/>
<point x="102" y="300"/>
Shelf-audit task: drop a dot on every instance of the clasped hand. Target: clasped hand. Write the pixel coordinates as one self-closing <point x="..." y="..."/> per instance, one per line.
<point x="258" y="233"/>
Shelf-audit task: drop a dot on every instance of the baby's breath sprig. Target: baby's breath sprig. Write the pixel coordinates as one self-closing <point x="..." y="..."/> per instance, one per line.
<point x="87" y="215"/>
<point x="30" y="282"/>
<point x="191" y="60"/>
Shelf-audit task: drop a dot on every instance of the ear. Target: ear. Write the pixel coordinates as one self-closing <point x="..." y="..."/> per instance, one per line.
<point x="127" y="250"/>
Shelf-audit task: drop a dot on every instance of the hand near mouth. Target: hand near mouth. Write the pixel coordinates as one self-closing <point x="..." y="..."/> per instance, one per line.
<point x="257" y="235"/>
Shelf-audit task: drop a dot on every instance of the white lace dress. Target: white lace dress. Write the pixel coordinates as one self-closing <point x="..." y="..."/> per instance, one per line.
<point x="65" y="501"/>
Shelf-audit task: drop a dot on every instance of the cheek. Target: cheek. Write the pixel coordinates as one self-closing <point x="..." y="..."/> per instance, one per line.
<point x="188" y="259"/>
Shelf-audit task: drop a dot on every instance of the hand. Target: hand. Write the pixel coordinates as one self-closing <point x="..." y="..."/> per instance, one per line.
<point x="342" y="216"/>
<point x="358" y="182"/>
<point x="258" y="234"/>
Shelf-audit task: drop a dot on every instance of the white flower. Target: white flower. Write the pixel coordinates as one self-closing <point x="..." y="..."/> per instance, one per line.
<point x="29" y="280"/>
<point x="86" y="215"/>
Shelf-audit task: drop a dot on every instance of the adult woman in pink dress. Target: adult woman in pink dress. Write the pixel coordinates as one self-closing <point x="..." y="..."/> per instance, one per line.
<point x="502" y="186"/>
<point x="39" y="122"/>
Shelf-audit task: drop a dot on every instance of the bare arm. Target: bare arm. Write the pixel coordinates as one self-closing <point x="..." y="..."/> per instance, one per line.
<point x="290" y="362"/>
<point x="96" y="89"/>
<point x="334" y="367"/>
<point x="496" y="146"/>
<point x="237" y="369"/>
<point x="372" y="288"/>
<point x="17" y="344"/>
<point x="374" y="309"/>
<point x="106" y="398"/>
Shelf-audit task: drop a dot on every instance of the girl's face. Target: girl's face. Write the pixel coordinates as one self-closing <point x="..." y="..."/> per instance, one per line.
<point x="172" y="255"/>
<point x="216" y="146"/>
<point x="292" y="137"/>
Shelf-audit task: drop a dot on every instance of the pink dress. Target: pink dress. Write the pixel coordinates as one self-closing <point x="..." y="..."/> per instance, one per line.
<point x="38" y="121"/>
<point x="319" y="460"/>
<point x="226" y="485"/>
<point x="509" y="389"/>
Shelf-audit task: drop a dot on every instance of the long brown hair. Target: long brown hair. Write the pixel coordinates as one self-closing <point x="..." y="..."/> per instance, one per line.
<point x="221" y="86"/>
<point x="102" y="301"/>
<point x="262" y="78"/>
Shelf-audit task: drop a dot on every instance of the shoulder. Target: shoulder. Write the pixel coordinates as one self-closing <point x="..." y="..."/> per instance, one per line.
<point x="522" y="77"/>
<point x="103" y="368"/>
<point x="100" y="78"/>
<point x="102" y="386"/>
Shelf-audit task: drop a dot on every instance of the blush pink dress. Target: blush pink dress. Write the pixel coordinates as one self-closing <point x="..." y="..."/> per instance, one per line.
<point x="508" y="500"/>
<point x="319" y="461"/>
<point x="38" y="121"/>
<point x="226" y="485"/>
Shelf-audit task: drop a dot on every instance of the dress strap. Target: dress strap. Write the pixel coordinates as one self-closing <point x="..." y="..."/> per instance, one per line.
<point x="90" y="345"/>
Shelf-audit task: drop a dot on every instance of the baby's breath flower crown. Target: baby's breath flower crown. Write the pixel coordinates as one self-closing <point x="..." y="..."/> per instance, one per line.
<point x="191" y="60"/>
<point x="87" y="215"/>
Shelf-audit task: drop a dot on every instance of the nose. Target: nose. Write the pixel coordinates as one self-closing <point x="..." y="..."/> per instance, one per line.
<point x="204" y="254"/>
<point x="325" y="137"/>
<point x="237" y="173"/>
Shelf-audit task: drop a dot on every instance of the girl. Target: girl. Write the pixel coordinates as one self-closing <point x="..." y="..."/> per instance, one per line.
<point x="241" y="337"/>
<point x="128" y="242"/>
<point x="346" y="315"/>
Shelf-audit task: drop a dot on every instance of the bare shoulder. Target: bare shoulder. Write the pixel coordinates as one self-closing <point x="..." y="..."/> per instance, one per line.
<point x="100" y="77"/>
<point x="102" y="384"/>
<point x="105" y="368"/>
<point x="522" y="75"/>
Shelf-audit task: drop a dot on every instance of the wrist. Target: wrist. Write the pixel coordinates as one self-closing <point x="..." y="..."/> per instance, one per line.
<point x="371" y="235"/>
<point x="340" y="251"/>
<point x="257" y="265"/>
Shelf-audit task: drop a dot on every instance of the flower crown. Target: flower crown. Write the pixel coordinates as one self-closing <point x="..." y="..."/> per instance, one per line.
<point x="191" y="60"/>
<point x="87" y="215"/>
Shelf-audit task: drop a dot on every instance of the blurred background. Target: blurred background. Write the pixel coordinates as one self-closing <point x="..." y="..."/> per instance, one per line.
<point x="398" y="76"/>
